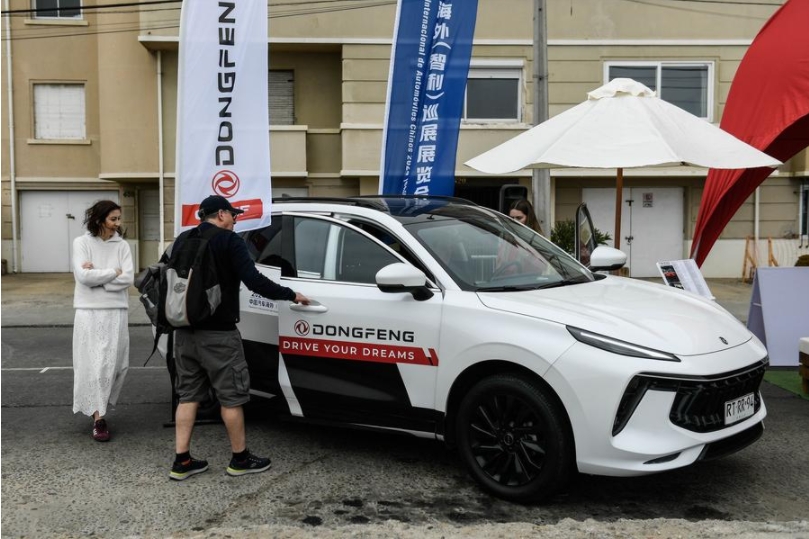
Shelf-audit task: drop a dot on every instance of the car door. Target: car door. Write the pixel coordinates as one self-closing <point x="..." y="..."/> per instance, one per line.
<point x="356" y="354"/>
<point x="258" y="316"/>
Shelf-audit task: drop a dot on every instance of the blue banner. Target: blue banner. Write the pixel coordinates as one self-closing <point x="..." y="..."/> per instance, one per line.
<point x="429" y="66"/>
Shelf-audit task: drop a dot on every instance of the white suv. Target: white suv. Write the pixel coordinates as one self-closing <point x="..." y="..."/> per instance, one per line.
<point x="443" y="319"/>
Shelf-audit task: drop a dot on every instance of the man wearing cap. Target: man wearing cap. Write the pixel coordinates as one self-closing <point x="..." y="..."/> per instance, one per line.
<point x="211" y="353"/>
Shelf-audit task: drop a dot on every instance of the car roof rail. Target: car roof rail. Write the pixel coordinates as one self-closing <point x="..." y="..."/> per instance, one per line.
<point x="331" y="200"/>
<point x="456" y="200"/>
<point x="372" y="201"/>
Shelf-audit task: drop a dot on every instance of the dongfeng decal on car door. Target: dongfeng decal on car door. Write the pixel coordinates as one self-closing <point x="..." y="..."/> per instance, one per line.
<point x="357" y="354"/>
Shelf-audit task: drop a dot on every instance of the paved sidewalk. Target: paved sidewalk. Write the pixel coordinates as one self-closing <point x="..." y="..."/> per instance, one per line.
<point x="46" y="299"/>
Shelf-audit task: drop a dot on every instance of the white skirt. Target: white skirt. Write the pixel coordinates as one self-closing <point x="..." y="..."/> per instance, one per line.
<point x="100" y="358"/>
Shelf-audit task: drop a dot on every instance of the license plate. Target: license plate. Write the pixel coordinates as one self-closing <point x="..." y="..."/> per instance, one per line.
<point x="740" y="408"/>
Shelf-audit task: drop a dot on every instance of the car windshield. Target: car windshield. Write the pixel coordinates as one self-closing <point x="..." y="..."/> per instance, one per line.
<point x="485" y="251"/>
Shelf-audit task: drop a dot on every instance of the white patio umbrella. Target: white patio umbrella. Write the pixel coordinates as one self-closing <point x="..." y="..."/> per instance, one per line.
<point x="622" y="125"/>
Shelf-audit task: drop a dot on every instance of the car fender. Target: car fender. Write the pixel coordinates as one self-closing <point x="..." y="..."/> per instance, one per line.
<point x="474" y="338"/>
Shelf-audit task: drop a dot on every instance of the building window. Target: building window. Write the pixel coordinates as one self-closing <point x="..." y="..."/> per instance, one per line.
<point x="493" y="93"/>
<point x="59" y="112"/>
<point x="687" y="85"/>
<point x="281" y="90"/>
<point x="57" y="9"/>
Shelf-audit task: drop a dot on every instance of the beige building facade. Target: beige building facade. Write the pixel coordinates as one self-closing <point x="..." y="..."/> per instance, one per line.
<point x="89" y="111"/>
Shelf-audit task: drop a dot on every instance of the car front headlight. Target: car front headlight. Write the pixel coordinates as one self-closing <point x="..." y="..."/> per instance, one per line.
<point x="619" y="347"/>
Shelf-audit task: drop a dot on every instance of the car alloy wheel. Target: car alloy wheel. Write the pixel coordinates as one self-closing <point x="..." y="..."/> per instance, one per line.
<point x="514" y="439"/>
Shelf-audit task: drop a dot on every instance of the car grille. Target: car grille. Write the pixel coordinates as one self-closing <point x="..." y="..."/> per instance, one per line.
<point x="699" y="403"/>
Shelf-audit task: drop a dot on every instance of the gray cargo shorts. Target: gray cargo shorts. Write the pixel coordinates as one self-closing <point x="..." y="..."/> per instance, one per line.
<point x="206" y="359"/>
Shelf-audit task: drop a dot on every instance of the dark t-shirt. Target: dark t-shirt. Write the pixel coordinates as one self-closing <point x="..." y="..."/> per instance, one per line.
<point x="235" y="266"/>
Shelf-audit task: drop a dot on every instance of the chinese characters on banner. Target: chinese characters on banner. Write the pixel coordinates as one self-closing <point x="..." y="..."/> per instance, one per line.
<point x="432" y="45"/>
<point x="223" y="132"/>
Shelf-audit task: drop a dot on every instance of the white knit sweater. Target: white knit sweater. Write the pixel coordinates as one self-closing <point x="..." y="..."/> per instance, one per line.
<point x="99" y="288"/>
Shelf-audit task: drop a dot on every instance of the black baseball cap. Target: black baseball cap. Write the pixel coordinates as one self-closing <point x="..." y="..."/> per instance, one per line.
<point x="213" y="204"/>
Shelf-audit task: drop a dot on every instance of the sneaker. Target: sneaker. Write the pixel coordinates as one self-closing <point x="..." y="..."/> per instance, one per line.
<point x="100" y="431"/>
<point x="252" y="464"/>
<point x="183" y="470"/>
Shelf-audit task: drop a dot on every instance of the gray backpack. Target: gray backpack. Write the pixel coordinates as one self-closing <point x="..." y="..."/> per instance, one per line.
<point x="189" y="283"/>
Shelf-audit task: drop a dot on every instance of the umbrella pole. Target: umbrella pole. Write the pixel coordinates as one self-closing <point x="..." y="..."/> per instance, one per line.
<point x="619" y="185"/>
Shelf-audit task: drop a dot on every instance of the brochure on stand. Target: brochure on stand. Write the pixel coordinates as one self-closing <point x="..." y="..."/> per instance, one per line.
<point x="685" y="275"/>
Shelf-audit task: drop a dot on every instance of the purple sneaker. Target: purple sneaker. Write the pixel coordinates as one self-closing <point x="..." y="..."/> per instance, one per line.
<point x="100" y="431"/>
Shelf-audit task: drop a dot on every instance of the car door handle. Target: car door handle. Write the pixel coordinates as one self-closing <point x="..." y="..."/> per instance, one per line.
<point x="313" y="307"/>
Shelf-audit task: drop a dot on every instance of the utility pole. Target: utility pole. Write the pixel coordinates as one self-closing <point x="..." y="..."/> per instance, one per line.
<point x="540" y="179"/>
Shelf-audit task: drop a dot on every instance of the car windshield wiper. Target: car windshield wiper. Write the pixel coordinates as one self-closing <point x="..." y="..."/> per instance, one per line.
<point x="508" y="288"/>
<point x="565" y="282"/>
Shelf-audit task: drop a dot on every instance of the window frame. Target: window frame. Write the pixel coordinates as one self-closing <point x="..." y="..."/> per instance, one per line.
<point x="500" y="69"/>
<point x="333" y="244"/>
<point x="35" y="139"/>
<point x="659" y="65"/>
<point x="37" y="16"/>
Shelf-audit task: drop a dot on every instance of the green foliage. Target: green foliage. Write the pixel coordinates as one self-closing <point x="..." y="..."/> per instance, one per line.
<point x="563" y="235"/>
<point x="803" y="260"/>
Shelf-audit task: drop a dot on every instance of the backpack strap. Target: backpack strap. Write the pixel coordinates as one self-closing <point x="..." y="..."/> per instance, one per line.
<point x="206" y="234"/>
<point x="157" y="334"/>
<point x="211" y="232"/>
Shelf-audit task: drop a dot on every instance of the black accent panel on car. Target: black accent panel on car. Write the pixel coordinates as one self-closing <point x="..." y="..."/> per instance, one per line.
<point x="362" y="392"/>
<point x="262" y="360"/>
<point x="733" y="443"/>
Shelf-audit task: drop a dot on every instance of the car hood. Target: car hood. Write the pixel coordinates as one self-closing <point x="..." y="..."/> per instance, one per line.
<point x="639" y="312"/>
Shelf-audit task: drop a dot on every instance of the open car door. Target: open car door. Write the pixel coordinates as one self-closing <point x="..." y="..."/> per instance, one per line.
<point x="595" y="257"/>
<point x="584" y="241"/>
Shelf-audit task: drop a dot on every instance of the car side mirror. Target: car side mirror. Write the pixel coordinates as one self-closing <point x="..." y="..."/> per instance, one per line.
<point x="605" y="258"/>
<point x="401" y="277"/>
<point x="584" y="240"/>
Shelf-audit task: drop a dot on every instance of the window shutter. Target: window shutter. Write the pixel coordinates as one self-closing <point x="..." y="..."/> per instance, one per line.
<point x="281" y="97"/>
<point x="493" y="94"/>
<point x="59" y="111"/>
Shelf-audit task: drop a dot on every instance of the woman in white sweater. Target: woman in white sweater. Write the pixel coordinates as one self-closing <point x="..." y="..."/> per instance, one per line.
<point x="102" y="267"/>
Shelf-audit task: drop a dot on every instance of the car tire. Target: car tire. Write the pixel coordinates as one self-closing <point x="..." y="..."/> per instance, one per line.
<point x="514" y="438"/>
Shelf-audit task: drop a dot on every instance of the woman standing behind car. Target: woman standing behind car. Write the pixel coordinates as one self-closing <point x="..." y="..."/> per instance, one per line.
<point x="102" y="267"/>
<point x="523" y="212"/>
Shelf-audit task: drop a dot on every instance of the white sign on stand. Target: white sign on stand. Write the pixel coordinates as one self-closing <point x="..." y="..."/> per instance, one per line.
<point x="685" y="275"/>
<point x="779" y="312"/>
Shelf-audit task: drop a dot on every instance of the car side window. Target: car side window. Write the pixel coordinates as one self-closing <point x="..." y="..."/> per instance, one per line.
<point x="325" y="250"/>
<point x="393" y="244"/>
<point x="311" y="236"/>
<point x="264" y="246"/>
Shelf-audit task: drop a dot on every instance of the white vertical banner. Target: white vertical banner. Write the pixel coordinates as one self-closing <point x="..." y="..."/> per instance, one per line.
<point x="223" y="132"/>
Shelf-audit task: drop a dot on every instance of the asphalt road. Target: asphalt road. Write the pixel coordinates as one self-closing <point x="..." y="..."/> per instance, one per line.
<point x="56" y="481"/>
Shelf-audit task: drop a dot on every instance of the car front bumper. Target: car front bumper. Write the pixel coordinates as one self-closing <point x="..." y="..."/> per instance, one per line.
<point x="672" y="418"/>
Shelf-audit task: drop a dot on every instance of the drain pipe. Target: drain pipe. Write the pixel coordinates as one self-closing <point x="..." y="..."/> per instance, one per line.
<point x="161" y="171"/>
<point x="12" y="167"/>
